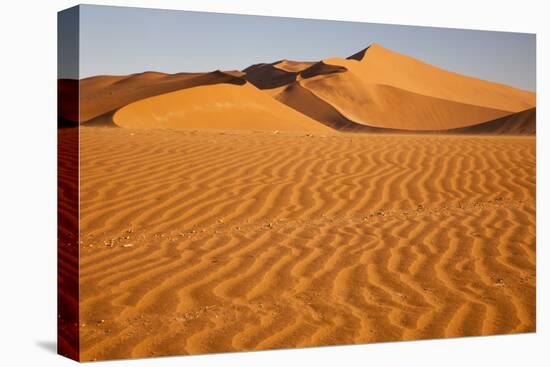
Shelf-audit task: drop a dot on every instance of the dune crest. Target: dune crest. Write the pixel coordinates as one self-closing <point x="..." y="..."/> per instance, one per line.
<point x="267" y="76"/>
<point x="360" y="55"/>
<point x="293" y="66"/>
<point x="321" y="68"/>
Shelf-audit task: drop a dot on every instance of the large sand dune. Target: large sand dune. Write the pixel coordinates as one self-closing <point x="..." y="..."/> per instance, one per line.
<point x="220" y="106"/>
<point x="196" y="242"/>
<point x="374" y="90"/>
<point x="387" y="67"/>
<point x="381" y="88"/>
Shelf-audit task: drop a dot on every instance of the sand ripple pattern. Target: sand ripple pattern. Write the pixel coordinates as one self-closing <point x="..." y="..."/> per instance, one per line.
<point x="198" y="242"/>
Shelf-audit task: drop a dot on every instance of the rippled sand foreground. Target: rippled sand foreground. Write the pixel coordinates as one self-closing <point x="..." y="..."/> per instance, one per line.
<point x="204" y="241"/>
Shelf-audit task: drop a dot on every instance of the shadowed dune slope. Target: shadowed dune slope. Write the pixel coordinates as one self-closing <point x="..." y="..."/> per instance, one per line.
<point x="220" y="106"/>
<point x="358" y="55"/>
<point x="304" y="101"/>
<point x="388" y="107"/>
<point x="282" y="73"/>
<point x="321" y="68"/>
<point x="521" y="123"/>
<point x="276" y="74"/>
<point x="423" y="109"/>
<point x="267" y="76"/>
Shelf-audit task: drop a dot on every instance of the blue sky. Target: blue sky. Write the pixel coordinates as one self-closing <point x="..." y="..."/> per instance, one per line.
<point x="120" y="40"/>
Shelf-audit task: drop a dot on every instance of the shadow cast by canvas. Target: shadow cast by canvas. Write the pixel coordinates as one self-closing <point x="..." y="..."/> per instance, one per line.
<point x="48" y="345"/>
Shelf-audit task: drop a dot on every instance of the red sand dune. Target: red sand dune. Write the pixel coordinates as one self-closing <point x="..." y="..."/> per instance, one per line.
<point x="220" y="106"/>
<point x="374" y="90"/>
<point x="381" y="88"/>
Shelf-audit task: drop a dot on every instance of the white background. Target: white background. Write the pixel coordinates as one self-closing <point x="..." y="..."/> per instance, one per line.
<point x="28" y="182"/>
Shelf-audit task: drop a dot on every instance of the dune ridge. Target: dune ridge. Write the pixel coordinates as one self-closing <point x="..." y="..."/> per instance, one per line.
<point x="267" y="76"/>
<point x="199" y="242"/>
<point x="307" y="103"/>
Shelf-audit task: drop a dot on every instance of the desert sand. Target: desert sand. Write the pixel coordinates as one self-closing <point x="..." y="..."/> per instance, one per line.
<point x="296" y="203"/>
<point x="68" y="249"/>
<point x="197" y="241"/>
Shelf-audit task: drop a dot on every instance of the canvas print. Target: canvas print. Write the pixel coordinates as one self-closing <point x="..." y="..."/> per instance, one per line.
<point x="242" y="183"/>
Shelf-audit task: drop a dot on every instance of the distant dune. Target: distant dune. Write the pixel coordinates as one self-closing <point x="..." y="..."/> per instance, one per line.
<point x="381" y="88"/>
<point x="274" y="75"/>
<point x="374" y="90"/>
<point x="220" y="106"/>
